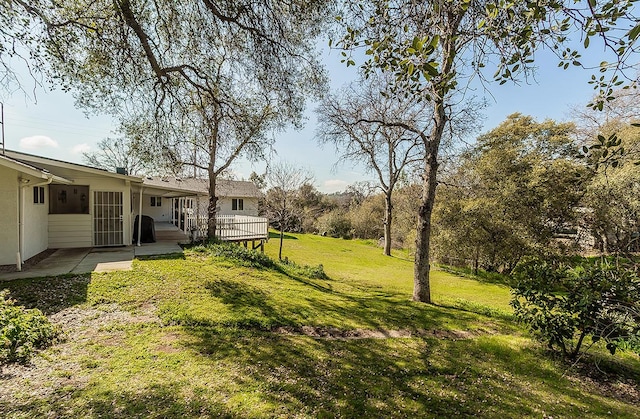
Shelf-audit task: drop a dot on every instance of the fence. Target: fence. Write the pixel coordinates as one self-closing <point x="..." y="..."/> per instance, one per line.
<point x="236" y="227"/>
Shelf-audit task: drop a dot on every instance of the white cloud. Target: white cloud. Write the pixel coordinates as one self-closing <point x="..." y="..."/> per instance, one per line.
<point x="81" y="148"/>
<point x="333" y="185"/>
<point x="36" y="142"/>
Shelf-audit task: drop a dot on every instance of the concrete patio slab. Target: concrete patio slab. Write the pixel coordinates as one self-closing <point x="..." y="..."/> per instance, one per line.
<point x="61" y="262"/>
<point x="157" y="248"/>
<point x="106" y="260"/>
<point x="85" y="260"/>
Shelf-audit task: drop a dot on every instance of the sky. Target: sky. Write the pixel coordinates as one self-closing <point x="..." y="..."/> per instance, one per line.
<point x="51" y="126"/>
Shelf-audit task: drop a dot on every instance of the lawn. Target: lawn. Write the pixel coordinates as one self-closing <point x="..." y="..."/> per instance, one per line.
<point x="224" y="335"/>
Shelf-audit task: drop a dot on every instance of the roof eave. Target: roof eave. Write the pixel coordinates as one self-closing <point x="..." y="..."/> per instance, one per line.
<point x="71" y="166"/>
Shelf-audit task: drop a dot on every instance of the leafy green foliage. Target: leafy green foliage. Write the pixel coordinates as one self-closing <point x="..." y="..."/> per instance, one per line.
<point x="336" y="224"/>
<point x="252" y="258"/>
<point x="238" y="253"/>
<point x="412" y="40"/>
<point x="22" y="331"/>
<point x="564" y="305"/>
<point x="509" y="195"/>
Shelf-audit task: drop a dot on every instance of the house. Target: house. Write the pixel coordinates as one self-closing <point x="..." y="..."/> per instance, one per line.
<point x="51" y="204"/>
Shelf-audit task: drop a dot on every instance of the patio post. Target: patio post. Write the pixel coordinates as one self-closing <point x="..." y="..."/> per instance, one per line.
<point x="140" y="216"/>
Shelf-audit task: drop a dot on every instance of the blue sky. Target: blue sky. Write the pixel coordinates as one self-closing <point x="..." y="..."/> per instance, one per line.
<point x="53" y="127"/>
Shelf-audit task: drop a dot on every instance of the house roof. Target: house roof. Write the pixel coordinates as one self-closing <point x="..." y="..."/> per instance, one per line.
<point x="50" y="165"/>
<point x="167" y="186"/>
<point x="29" y="169"/>
<point x="224" y="188"/>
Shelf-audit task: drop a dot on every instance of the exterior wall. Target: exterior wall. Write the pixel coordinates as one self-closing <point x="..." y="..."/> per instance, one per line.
<point x="8" y="216"/>
<point x="161" y="213"/>
<point x="36" y="221"/>
<point x="250" y="206"/>
<point x="76" y="230"/>
<point x="70" y="230"/>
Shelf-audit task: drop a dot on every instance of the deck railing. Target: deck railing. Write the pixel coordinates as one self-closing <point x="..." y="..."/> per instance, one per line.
<point x="235" y="227"/>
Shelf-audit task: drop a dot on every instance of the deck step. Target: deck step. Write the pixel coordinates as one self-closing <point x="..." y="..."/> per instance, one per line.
<point x="165" y="236"/>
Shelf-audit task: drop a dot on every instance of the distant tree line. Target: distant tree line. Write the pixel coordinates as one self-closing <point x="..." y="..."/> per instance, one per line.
<point x="525" y="188"/>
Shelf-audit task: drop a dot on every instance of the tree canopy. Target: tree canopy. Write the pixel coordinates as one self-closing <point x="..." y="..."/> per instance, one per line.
<point x="433" y="48"/>
<point x="511" y="194"/>
<point x="200" y="83"/>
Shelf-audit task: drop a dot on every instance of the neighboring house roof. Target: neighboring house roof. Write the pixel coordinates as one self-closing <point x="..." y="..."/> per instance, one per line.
<point x="224" y="188"/>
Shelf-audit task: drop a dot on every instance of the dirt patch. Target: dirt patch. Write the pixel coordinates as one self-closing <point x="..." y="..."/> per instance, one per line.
<point x="167" y="349"/>
<point x="334" y="333"/>
<point x="104" y="316"/>
<point x="621" y="384"/>
<point x="60" y="369"/>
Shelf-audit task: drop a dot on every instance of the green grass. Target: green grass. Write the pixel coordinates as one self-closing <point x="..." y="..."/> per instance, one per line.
<point x="196" y="336"/>
<point x="361" y="262"/>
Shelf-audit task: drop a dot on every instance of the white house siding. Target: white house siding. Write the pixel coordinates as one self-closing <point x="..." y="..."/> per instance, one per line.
<point x="8" y="216"/>
<point x="250" y="206"/>
<point x="161" y="213"/>
<point x="35" y="223"/>
<point x="70" y="230"/>
<point x="76" y="230"/>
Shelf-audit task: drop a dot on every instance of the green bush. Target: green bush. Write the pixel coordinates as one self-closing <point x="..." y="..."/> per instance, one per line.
<point x="246" y="257"/>
<point x="315" y="272"/>
<point x="254" y="259"/>
<point x="336" y="224"/>
<point x="565" y="305"/>
<point x="22" y="331"/>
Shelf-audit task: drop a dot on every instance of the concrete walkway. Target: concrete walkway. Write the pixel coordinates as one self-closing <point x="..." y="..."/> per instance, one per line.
<point x="80" y="261"/>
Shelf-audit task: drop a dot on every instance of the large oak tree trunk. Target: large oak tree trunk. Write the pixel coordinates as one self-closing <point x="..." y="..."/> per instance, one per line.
<point x="387" y="223"/>
<point x="421" y="286"/>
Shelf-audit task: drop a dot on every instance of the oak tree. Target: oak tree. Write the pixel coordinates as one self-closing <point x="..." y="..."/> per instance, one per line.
<point x="369" y="126"/>
<point x="205" y="82"/>
<point x="433" y="49"/>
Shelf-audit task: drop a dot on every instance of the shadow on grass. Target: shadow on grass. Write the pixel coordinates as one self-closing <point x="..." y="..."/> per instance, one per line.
<point x="50" y="294"/>
<point x="156" y="400"/>
<point x="253" y="308"/>
<point x="237" y="373"/>
<point x="240" y="296"/>
<point x="256" y="374"/>
<point x="401" y="378"/>
<point x="276" y="235"/>
<point x="482" y="276"/>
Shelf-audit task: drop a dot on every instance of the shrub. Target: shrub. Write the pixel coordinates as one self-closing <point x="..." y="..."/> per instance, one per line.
<point x="564" y="305"/>
<point x="335" y="224"/>
<point x="367" y="219"/>
<point x="315" y="272"/>
<point x="22" y="331"/>
<point x="240" y="254"/>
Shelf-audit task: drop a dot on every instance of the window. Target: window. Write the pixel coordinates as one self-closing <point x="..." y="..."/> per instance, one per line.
<point x="156" y="201"/>
<point x="68" y="199"/>
<point x="237" y="204"/>
<point x="38" y="194"/>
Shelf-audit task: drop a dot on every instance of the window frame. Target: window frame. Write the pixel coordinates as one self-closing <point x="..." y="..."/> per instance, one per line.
<point x="38" y="195"/>
<point x="59" y="192"/>
<point x="237" y="204"/>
